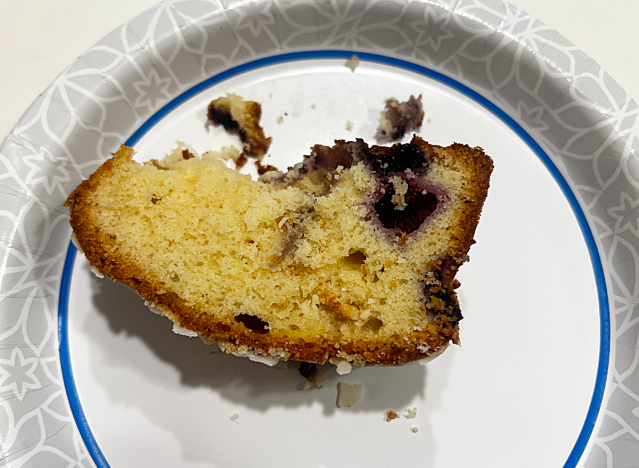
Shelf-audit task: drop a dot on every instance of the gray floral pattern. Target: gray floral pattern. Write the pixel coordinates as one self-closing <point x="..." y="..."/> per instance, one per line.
<point x="583" y="120"/>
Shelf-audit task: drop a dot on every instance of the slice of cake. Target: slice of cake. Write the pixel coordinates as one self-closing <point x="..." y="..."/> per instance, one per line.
<point x="349" y="257"/>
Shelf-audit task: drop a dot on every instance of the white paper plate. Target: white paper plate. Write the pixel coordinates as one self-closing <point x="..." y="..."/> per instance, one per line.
<point x="547" y="374"/>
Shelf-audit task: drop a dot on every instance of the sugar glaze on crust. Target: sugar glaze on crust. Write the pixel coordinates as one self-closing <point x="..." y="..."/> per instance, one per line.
<point x="387" y="298"/>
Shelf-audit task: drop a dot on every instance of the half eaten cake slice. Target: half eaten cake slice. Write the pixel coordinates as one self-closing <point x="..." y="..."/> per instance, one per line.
<point x="349" y="257"/>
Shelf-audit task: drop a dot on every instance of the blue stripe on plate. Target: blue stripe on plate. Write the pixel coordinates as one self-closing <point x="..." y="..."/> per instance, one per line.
<point x="604" y="313"/>
<point x="65" y="360"/>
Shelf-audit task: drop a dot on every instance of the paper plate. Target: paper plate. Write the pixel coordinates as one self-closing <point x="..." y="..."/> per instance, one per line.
<point x="547" y="374"/>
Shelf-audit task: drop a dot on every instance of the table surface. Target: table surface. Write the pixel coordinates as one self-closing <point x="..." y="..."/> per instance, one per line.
<point x="40" y="38"/>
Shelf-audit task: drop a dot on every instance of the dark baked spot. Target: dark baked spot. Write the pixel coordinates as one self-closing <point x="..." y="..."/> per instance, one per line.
<point x="451" y="312"/>
<point x="186" y="154"/>
<point x="344" y="154"/>
<point x="221" y="115"/>
<point x="398" y="158"/>
<point x="253" y="323"/>
<point x="440" y="295"/>
<point x="264" y="168"/>
<point x="307" y="369"/>
<point x="241" y="161"/>
<point x="419" y="206"/>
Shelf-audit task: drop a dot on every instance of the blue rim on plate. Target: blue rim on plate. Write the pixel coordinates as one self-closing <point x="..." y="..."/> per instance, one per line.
<point x="604" y="314"/>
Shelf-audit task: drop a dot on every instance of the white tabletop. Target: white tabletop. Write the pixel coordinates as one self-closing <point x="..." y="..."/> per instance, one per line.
<point x="40" y="38"/>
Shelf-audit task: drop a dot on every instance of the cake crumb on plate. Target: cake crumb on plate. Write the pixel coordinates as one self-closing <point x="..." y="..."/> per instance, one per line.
<point x="344" y="367"/>
<point x="353" y="62"/>
<point x="399" y="117"/>
<point x="390" y="415"/>
<point x="348" y="394"/>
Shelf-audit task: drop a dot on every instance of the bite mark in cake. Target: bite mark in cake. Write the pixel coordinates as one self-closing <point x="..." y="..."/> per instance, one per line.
<point x="318" y="264"/>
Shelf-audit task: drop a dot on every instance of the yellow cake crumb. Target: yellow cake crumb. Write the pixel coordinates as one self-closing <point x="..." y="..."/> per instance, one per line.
<point x="353" y="62"/>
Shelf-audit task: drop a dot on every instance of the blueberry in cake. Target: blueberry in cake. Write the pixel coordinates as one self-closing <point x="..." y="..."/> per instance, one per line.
<point x="349" y="257"/>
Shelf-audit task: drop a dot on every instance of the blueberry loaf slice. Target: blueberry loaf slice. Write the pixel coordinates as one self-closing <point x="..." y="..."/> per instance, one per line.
<point x="349" y="257"/>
